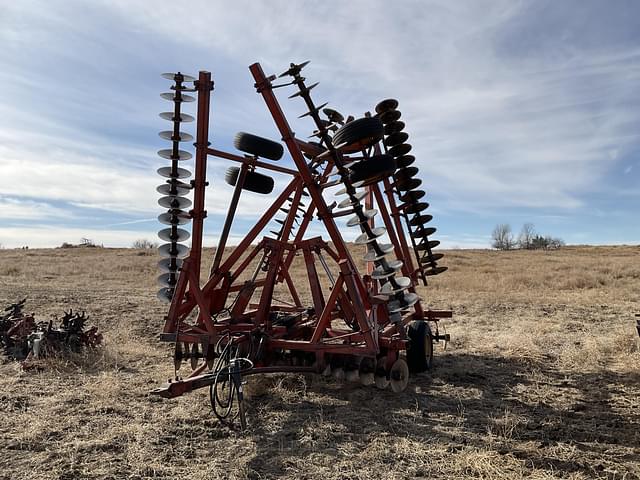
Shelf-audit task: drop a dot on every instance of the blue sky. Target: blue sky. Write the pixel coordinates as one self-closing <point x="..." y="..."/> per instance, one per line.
<point x="518" y="111"/>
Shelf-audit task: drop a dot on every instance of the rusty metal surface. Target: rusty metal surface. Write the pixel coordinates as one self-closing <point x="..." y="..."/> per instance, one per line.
<point x="24" y="339"/>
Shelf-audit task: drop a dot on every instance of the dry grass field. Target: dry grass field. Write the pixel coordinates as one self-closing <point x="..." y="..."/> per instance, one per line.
<point x="541" y="380"/>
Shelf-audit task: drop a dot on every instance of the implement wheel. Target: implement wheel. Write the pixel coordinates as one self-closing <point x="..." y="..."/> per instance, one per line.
<point x="420" y="349"/>
<point x="373" y="169"/>
<point x="358" y="134"/>
<point x="261" y="147"/>
<point x="253" y="181"/>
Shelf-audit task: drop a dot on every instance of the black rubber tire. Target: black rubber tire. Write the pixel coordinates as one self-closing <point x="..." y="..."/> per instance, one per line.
<point x="254" y="145"/>
<point x="420" y="348"/>
<point x="373" y="169"/>
<point x="359" y="134"/>
<point x="253" y="181"/>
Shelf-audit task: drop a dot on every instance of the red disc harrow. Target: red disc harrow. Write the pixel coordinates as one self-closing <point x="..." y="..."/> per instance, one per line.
<point x="368" y="325"/>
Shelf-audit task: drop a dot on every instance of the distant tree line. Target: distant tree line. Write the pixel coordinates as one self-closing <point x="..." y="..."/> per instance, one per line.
<point x="502" y="238"/>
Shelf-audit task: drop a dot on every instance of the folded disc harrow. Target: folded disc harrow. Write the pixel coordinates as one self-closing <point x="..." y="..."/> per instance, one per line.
<point x="368" y="325"/>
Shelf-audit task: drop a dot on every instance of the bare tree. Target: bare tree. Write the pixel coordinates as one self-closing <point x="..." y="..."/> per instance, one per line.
<point x="144" y="244"/>
<point x="527" y="234"/>
<point x="502" y="238"/>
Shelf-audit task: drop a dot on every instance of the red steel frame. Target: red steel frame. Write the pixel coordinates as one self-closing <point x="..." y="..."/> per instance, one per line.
<point x="192" y="316"/>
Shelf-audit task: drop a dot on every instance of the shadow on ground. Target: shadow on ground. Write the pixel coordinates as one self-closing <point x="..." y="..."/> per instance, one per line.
<point x="546" y="419"/>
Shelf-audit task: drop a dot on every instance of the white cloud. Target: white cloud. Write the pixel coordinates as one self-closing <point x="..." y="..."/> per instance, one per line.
<point x="17" y="209"/>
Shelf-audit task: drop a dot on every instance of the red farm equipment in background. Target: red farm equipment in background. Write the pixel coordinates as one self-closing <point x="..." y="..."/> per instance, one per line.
<point x="368" y="325"/>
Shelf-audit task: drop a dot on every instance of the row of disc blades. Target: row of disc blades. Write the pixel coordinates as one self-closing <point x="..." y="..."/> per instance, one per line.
<point x="175" y="187"/>
<point x="385" y="271"/>
<point x="407" y="187"/>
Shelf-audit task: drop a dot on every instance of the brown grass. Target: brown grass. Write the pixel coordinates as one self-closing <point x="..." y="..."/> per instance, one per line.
<point x="541" y="380"/>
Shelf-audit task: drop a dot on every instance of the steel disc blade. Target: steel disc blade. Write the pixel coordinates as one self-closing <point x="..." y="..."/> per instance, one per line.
<point x="304" y="90"/>
<point x="396" y="139"/>
<point x="367" y="214"/>
<point x="381" y="379"/>
<point x="405" y="173"/>
<point x="372" y="255"/>
<point x="389" y="288"/>
<point x="171" y="218"/>
<point x="400" y="150"/>
<point x="375" y="233"/>
<point x="383" y="272"/>
<point x="182" y="136"/>
<point x="167" y="172"/>
<point x="294" y="69"/>
<point x="165" y="295"/>
<point x="386" y="105"/>
<point x="436" y="271"/>
<point x="367" y="370"/>
<point x="399" y="375"/>
<point x="411" y="184"/>
<point x="174" y="190"/>
<point x="395" y="307"/>
<point x="171" y="116"/>
<point x="405" y="161"/>
<point x="168" y="154"/>
<point x="423" y="232"/>
<point x="420" y="220"/>
<point x="174" y="235"/>
<point x="172" y="97"/>
<point x="174" y="203"/>
<point x="170" y="264"/>
<point x="415" y="221"/>
<point x="168" y="280"/>
<point x="417" y="207"/>
<point x="333" y="115"/>
<point x="390" y="116"/>
<point x="173" y="76"/>
<point x="432" y="259"/>
<point x="412" y="196"/>
<point x="393" y="127"/>
<point x="427" y="244"/>
<point x="349" y="202"/>
<point x="395" y="285"/>
<point x="173" y="250"/>
<point x="410" y="299"/>
<point x="343" y="191"/>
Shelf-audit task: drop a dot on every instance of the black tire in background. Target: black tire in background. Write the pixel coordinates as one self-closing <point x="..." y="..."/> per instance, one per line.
<point x="254" y="145"/>
<point x="253" y="181"/>
<point x="373" y="169"/>
<point x="359" y="134"/>
<point x="420" y="348"/>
